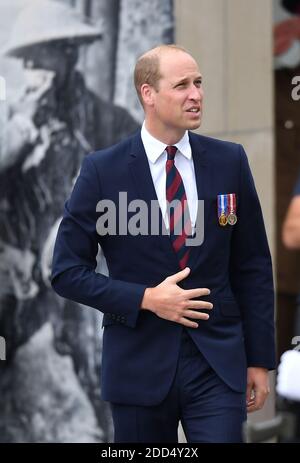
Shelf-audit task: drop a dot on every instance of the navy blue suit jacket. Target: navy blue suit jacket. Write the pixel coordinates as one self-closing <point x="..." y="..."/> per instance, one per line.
<point x="140" y="350"/>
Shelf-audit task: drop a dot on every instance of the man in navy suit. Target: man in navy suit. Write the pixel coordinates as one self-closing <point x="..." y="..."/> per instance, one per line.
<point x="188" y="327"/>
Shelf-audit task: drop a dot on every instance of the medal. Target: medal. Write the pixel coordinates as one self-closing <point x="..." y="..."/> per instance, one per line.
<point x="222" y="210"/>
<point x="222" y="220"/>
<point x="232" y="218"/>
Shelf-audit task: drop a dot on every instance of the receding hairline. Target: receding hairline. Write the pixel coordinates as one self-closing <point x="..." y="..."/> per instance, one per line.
<point x="164" y="48"/>
<point x="147" y="68"/>
<point x="160" y="50"/>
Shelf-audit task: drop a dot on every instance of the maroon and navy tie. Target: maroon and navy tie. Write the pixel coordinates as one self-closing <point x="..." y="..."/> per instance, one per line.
<point x="179" y="217"/>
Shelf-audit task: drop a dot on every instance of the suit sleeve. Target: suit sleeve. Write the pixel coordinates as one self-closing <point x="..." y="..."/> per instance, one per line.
<point x="75" y="251"/>
<point x="251" y="273"/>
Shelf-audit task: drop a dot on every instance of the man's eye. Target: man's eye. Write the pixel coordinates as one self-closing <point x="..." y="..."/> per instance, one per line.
<point x="198" y="83"/>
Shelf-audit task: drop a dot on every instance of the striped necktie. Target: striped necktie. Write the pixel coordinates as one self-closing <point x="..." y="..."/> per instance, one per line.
<point x="179" y="217"/>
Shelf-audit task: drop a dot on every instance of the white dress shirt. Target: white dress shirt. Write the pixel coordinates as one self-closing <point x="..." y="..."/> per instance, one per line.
<point x="157" y="157"/>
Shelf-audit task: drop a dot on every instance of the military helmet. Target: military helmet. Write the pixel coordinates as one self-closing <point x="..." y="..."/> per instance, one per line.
<point x="44" y="21"/>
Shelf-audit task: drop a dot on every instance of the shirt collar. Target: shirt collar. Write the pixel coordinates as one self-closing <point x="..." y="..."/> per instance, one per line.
<point x="154" y="148"/>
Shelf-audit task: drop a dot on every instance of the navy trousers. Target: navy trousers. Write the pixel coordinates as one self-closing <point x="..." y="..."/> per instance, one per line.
<point x="208" y="409"/>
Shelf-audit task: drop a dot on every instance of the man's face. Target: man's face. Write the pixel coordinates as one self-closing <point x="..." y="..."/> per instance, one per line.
<point x="59" y="57"/>
<point x="178" y="102"/>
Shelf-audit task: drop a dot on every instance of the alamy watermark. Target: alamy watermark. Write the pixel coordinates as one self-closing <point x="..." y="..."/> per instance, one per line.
<point x="2" y="348"/>
<point x="2" y="89"/>
<point x="296" y="342"/>
<point x="114" y="219"/>
<point x="296" y="90"/>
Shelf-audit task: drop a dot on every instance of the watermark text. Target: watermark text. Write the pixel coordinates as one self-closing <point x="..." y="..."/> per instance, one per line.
<point x="296" y="89"/>
<point x="2" y="348"/>
<point x="2" y="89"/>
<point x="296" y="342"/>
<point x="137" y="217"/>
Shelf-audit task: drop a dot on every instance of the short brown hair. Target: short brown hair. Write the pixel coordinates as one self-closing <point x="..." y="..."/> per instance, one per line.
<point x="147" y="67"/>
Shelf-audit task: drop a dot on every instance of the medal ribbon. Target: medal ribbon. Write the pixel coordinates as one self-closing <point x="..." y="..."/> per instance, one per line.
<point x="232" y="203"/>
<point x="222" y="205"/>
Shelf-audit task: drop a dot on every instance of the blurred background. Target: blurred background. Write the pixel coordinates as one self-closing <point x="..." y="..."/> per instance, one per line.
<point x="66" y="89"/>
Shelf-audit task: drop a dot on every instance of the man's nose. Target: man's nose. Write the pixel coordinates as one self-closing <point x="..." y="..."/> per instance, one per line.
<point x="196" y="93"/>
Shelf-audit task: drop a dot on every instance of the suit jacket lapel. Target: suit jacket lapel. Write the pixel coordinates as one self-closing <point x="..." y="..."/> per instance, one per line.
<point x="140" y="170"/>
<point x="203" y="179"/>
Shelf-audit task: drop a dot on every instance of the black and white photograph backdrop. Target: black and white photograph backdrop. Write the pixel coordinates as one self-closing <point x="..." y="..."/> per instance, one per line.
<point x="66" y="89"/>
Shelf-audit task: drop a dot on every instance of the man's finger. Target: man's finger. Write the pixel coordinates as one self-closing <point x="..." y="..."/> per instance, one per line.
<point x="200" y="305"/>
<point x="197" y="315"/>
<point x="249" y="391"/>
<point x="257" y="402"/>
<point x="179" y="276"/>
<point x="251" y="408"/>
<point x="188" y="323"/>
<point x="260" y="397"/>
<point x="197" y="292"/>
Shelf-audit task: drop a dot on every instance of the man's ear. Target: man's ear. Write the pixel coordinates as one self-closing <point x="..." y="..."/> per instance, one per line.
<point x="147" y="93"/>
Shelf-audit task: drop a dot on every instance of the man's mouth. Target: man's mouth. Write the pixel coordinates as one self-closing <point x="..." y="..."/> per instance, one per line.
<point x="194" y="109"/>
